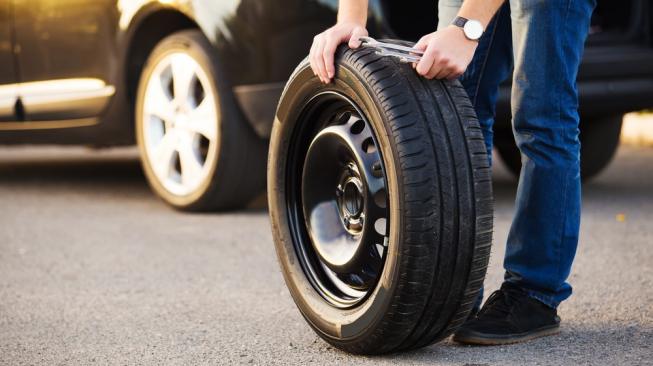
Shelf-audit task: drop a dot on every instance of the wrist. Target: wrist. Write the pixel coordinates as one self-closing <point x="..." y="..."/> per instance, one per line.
<point x="353" y="21"/>
<point x="460" y="34"/>
<point x="472" y="29"/>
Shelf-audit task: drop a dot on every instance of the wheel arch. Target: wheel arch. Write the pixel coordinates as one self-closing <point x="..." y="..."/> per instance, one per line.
<point x="148" y="28"/>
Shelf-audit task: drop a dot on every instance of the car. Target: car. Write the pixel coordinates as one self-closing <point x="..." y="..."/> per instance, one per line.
<point x="195" y="83"/>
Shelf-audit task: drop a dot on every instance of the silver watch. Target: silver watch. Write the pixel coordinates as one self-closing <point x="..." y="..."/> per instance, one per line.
<point x="473" y="29"/>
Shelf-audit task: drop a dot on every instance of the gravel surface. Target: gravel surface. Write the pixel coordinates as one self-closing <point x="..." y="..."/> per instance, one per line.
<point x="95" y="270"/>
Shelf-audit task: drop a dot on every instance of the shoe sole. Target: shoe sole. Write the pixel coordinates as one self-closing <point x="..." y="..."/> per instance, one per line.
<point x="483" y="339"/>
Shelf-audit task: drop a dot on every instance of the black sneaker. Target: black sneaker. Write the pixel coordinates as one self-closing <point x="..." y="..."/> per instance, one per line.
<point x="509" y="316"/>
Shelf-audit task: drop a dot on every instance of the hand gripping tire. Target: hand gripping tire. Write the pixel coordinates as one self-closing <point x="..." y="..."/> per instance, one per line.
<point x="380" y="202"/>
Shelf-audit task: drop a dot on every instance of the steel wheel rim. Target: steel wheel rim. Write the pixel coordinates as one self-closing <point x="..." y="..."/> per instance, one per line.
<point x="180" y="123"/>
<point x="350" y="182"/>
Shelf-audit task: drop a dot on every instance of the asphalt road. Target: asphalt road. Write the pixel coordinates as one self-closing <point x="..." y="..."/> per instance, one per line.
<point x="95" y="270"/>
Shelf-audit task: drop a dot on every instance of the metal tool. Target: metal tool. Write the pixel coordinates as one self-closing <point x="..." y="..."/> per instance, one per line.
<point x="403" y="53"/>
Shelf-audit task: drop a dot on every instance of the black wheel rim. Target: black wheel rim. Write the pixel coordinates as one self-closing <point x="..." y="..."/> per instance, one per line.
<point x="338" y="203"/>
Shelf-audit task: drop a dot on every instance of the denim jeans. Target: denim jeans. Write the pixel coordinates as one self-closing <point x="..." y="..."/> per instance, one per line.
<point x="542" y="40"/>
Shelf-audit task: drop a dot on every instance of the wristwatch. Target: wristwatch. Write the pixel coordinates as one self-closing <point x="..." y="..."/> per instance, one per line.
<point x="473" y="29"/>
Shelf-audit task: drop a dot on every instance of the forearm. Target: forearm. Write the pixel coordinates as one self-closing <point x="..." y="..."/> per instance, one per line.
<point x="353" y="11"/>
<point x="481" y="10"/>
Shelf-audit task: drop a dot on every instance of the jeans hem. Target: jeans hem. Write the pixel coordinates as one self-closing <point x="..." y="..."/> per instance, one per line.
<point x="546" y="300"/>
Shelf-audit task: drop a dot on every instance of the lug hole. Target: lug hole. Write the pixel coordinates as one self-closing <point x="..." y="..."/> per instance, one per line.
<point x="357" y="127"/>
<point x="380" y="198"/>
<point x="369" y="146"/>
<point x="379" y="226"/>
<point x="344" y="118"/>
<point x="380" y="249"/>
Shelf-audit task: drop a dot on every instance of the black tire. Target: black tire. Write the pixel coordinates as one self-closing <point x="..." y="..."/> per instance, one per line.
<point x="439" y="202"/>
<point x="237" y="171"/>
<point x="599" y="140"/>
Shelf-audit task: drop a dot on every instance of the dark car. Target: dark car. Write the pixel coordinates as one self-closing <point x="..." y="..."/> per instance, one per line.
<point x="195" y="82"/>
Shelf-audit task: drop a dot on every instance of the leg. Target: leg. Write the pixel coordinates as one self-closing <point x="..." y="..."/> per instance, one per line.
<point x="548" y="38"/>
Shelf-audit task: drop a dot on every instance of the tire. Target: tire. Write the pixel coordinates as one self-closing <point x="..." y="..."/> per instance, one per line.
<point x="426" y="175"/>
<point x="197" y="151"/>
<point x="599" y="140"/>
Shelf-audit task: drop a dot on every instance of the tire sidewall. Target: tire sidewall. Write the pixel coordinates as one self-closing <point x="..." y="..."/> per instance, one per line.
<point x="337" y="325"/>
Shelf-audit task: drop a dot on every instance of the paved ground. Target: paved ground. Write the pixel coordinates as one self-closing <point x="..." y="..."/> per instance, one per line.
<point x="95" y="270"/>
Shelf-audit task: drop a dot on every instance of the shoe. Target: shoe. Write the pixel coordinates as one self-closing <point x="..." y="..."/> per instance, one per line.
<point x="509" y="316"/>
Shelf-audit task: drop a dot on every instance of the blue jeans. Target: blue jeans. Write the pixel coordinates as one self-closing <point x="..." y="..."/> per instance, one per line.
<point x="543" y="41"/>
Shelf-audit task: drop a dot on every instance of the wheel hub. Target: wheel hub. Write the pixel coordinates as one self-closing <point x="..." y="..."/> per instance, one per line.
<point x="351" y="200"/>
<point x="338" y="201"/>
<point x="341" y="221"/>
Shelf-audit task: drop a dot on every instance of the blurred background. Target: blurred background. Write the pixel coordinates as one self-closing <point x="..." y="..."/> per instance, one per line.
<point x="119" y="118"/>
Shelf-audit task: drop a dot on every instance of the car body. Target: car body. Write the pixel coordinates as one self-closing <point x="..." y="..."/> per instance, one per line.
<point x="69" y="69"/>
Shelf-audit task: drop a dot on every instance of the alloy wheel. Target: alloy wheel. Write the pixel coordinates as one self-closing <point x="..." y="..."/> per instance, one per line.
<point x="180" y="123"/>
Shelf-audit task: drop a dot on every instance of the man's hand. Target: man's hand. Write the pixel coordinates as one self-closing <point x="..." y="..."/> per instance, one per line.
<point x="447" y="53"/>
<point x="325" y="44"/>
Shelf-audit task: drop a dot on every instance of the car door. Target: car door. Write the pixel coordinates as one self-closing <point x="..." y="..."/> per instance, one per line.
<point x="8" y="87"/>
<point x="66" y="55"/>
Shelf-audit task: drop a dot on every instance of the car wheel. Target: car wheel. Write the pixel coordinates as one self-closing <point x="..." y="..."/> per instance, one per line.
<point x="197" y="151"/>
<point x="380" y="203"/>
<point x="599" y="140"/>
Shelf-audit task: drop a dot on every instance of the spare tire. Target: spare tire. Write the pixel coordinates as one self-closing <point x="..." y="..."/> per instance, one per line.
<point x="380" y="202"/>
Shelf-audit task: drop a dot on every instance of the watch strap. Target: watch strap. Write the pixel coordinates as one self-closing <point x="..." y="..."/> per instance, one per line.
<point x="460" y="22"/>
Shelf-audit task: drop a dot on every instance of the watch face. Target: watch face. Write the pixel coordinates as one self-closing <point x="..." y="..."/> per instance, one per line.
<point x="473" y="29"/>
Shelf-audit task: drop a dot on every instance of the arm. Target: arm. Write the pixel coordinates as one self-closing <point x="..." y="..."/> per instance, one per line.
<point x="354" y="11"/>
<point x="352" y="16"/>
<point x="481" y="10"/>
<point x="447" y="52"/>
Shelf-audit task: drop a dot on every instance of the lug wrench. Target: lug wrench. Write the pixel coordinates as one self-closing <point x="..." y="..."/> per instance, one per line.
<point x="402" y="53"/>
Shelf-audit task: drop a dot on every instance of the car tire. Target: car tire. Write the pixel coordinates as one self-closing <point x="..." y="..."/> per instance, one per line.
<point x="415" y="152"/>
<point x="599" y="140"/>
<point x="197" y="150"/>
